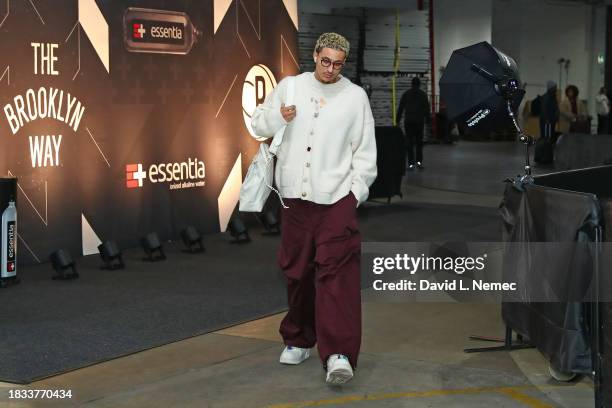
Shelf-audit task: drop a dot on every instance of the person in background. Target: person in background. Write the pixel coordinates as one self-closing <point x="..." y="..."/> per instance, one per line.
<point x="415" y="105"/>
<point x="603" y="111"/>
<point x="573" y="115"/>
<point x="549" y="111"/>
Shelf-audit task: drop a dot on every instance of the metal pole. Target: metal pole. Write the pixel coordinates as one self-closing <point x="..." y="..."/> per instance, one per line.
<point x="596" y="356"/>
<point x="434" y="122"/>
<point x="525" y="139"/>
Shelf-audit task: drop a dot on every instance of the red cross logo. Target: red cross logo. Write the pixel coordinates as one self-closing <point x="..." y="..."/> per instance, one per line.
<point x="134" y="175"/>
<point x="139" y="30"/>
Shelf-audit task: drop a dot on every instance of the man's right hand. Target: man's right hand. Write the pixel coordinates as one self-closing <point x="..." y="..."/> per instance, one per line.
<point x="288" y="112"/>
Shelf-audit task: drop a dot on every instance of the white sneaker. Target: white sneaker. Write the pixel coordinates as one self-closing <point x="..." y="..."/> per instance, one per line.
<point x="339" y="370"/>
<point x="294" y="355"/>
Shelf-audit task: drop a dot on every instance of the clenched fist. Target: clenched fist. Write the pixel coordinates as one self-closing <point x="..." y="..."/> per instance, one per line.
<point x="288" y="112"/>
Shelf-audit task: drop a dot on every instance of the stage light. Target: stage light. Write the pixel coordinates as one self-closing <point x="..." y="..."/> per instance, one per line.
<point x="239" y="231"/>
<point x="192" y="238"/>
<point x="270" y="222"/>
<point x="61" y="260"/>
<point x="151" y="245"/>
<point x="111" y="256"/>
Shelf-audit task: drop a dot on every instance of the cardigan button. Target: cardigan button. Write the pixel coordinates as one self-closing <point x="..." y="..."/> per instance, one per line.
<point x="303" y="194"/>
<point x="308" y="149"/>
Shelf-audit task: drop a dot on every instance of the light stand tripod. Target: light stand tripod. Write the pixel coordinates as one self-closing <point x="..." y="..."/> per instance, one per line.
<point x="508" y="88"/>
<point x="518" y="182"/>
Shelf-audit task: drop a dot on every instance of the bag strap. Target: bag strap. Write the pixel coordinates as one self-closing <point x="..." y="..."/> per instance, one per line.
<point x="289" y="97"/>
<point x="278" y="137"/>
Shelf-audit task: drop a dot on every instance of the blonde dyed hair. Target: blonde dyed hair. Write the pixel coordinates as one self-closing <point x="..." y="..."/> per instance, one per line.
<point x="333" y="40"/>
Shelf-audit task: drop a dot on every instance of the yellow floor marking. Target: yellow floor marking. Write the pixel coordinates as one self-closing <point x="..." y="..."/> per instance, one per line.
<point x="528" y="400"/>
<point x="512" y="392"/>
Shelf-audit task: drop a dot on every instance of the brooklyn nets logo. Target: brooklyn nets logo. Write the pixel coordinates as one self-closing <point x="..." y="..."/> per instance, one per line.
<point x="258" y="83"/>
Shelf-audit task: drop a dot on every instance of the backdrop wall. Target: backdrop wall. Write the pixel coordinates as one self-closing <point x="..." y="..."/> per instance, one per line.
<point x="119" y="121"/>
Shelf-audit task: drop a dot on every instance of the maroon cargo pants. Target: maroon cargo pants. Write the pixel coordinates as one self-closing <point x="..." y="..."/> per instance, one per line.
<point x="319" y="254"/>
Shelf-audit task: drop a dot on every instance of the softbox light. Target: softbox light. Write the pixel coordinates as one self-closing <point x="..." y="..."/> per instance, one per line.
<point x="482" y="89"/>
<point x="478" y="85"/>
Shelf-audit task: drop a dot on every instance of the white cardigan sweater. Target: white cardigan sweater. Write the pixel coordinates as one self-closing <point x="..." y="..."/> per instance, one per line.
<point x="329" y="147"/>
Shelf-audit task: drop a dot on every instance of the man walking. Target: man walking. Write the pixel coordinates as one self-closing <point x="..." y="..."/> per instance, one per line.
<point x="326" y="163"/>
<point x="415" y="105"/>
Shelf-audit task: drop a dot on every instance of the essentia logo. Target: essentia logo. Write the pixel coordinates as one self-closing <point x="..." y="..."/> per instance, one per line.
<point x="186" y="174"/>
<point x="478" y="116"/>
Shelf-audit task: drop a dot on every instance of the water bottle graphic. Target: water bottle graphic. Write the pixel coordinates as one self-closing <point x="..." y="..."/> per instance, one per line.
<point x="9" y="241"/>
<point x="158" y="31"/>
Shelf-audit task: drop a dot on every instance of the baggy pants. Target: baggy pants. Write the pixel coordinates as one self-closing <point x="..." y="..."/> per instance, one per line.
<point x="320" y="254"/>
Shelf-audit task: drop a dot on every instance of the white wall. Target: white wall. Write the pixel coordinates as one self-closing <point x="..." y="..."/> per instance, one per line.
<point x="598" y="47"/>
<point x="539" y="32"/>
<point x="458" y="24"/>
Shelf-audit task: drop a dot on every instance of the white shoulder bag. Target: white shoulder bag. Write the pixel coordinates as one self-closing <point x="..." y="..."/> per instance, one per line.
<point x="260" y="176"/>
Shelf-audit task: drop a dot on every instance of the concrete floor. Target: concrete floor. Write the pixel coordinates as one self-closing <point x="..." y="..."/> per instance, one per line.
<point x="412" y="355"/>
<point x="473" y="167"/>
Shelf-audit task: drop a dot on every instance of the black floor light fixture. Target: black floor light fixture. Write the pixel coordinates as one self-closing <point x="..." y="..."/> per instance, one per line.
<point x="239" y="231"/>
<point x="153" y="248"/>
<point x="192" y="240"/>
<point x="111" y="256"/>
<point x="62" y="261"/>
<point x="270" y="222"/>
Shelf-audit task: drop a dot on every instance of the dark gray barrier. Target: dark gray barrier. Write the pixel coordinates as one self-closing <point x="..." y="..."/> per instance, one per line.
<point x="569" y="206"/>
<point x="576" y="151"/>
<point x="390" y="162"/>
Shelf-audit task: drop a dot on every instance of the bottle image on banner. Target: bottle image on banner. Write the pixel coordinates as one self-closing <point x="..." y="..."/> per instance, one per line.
<point x="158" y="31"/>
<point x="9" y="241"/>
